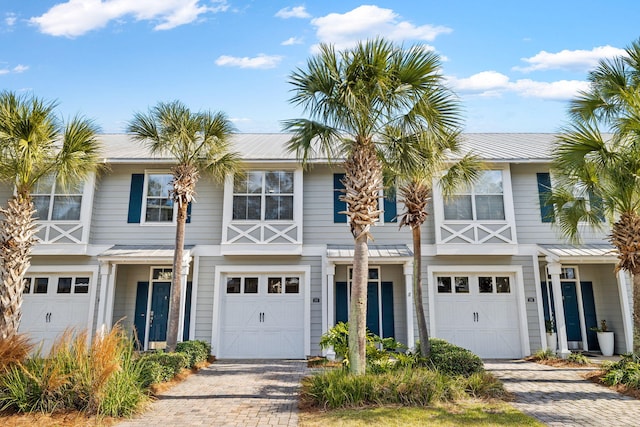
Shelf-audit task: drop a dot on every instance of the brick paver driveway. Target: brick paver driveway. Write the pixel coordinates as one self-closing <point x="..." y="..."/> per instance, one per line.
<point x="231" y="393"/>
<point x="562" y="397"/>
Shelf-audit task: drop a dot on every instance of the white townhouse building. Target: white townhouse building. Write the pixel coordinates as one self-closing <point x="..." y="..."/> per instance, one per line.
<point x="267" y="265"/>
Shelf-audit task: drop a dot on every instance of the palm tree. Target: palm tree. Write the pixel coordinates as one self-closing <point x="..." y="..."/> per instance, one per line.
<point x="356" y="100"/>
<point x="199" y="142"/>
<point x="436" y="163"/>
<point x="34" y="144"/>
<point x="588" y="163"/>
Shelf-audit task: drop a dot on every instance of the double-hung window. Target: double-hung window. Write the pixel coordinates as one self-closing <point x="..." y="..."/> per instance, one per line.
<point x="263" y="196"/>
<point x="54" y="202"/>
<point x="159" y="203"/>
<point x="484" y="200"/>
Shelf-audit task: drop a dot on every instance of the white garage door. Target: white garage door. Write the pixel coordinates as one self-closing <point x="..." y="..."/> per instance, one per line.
<point x="53" y="303"/>
<point x="262" y="316"/>
<point x="479" y="312"/>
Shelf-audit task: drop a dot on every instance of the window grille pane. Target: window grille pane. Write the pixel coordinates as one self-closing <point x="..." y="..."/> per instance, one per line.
<point x="251" y="285"/>
<point x="489" y="207"/>
<point x="458" y="208"/>
<point x="502" y="285"/>
<point x="489" y="182"/>
<point x="462" y="285"/>
<point x="233" y="285"/>
<point x="64" y="285"/>
<point x="444" y="285"/>
<point x="485" y="285"/>
<point x="292" y="285"/>
<point x="81" y="285"/>
<point x="278" y="207"/>
<point x="66" y="208"/>
<point x="274" y="285"/>
<point x="42" y="285"/>
<point x="254" y="182"/>
<point x="41" y="204"/>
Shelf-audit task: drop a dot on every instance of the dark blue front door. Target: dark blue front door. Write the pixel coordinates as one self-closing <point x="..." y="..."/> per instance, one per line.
<point x="571" y="313"/>
<point x="140" y="321"/>
<point x="160" y="311"/>
<point x="373" y="307"/>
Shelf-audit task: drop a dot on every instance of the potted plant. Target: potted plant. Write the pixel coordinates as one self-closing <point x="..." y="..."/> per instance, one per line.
<point x="605" y="338"/>
<point x="552" y="341"/>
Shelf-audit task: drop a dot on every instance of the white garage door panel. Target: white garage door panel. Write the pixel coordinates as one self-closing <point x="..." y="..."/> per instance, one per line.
<point x="485" y="323"/>
<point x="262" y="325"/>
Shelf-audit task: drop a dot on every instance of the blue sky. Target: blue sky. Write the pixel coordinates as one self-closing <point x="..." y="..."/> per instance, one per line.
<point x="514" y="64"/>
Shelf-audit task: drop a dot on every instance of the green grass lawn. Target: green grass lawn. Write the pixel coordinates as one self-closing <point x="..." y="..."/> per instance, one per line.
<point x="463" y="414"/>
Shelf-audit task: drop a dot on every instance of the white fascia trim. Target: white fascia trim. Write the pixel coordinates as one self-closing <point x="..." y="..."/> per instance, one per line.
<point x="261" y="249"/>
<point x="519" y="289"/>
<point x="476" y="249"/>
<point x="60" y="249"/>
<point x="219" y="270"/>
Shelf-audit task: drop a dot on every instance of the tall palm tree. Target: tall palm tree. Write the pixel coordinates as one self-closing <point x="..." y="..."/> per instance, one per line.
<point x="437" y="163"/>
<point x="608" y="168"/>
<point x="199" y="142"/>
<point x="34" y="144"/>
<point x="355" y="99"/>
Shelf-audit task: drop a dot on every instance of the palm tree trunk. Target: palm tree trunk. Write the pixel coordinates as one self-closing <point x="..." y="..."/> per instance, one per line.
<point x="358" y="308"/>
<point x="176" y="279"/>
<point x="423" y="332"/>
<point x="17" y="231"/>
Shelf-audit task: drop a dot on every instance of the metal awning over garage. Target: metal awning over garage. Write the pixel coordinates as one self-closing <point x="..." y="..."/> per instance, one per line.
<point x="139" y="254"/>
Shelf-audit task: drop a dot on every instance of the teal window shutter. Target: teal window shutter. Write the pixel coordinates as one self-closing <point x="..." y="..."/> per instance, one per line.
<point x="189" y="213"/>
<point x="544" y="189"/>
<point x="135" y="198"/>
<point x="338" y="205"/>
<point x="390" y="208"/>
<point x="342" y="308"/>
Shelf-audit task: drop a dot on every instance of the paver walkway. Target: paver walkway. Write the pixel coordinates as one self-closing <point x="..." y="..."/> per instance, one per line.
<point x="562" y="397"/>
<point x="230" y="393"/>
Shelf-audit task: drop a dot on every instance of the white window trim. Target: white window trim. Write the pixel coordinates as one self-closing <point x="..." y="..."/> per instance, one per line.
<point x="143" y="213"/>
<point x="303" y="271"/>
<point x="507" y="197"/>
<point x="272" y="248"/>
<point x="517" y="287"/>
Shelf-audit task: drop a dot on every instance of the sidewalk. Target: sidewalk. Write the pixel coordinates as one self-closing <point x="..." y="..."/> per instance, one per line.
<point x="230" y="393"/>
<point x="562" y="397"/>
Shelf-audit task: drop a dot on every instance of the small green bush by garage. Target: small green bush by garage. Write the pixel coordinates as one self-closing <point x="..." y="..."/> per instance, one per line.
<point x="451" y="359"/>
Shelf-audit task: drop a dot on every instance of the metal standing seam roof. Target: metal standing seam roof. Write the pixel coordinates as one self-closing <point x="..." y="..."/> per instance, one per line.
<point x="375" y="251"/>
<point x="492" y="147"/>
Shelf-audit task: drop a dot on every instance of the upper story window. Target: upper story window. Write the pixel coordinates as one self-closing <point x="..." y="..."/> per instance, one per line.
<point x="387" y="201"/>
<point x="263" y="196"/>
<point x="54" y="202"/>
<point x="158" y="203"/>
<point x="484" y="200"/>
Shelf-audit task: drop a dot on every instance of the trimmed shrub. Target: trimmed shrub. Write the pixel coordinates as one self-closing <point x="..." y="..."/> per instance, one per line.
<point x="197" y="351"/>
<point x="170" y="365"/>
<point x="578" y="359"/>
<point x="451" y="359"/>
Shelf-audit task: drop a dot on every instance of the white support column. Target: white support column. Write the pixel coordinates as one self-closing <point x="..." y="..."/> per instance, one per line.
<point x="186" y="262"/>
<point x="111" y="292"/>
<point x="102" y="299"/>
<point x="408" y="287"/>
<point x="331" y="304"/>
<point x="626" y="310"/>
<point x="555" y="269"/>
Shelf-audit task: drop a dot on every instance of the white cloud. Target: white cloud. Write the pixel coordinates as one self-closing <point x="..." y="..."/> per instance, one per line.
<point x="291" y="41"/>
<point x="293" y="12"/>
<point x="493" y="83"/>
<point x="77" y="17"/>
<point x="261" y="61"/>
<point x="572" y="60"/>
<point x="20" y="68"/>
<point x="10" y="19"/>
<point x="368" y="21"/>
<point x="4" y="71"/>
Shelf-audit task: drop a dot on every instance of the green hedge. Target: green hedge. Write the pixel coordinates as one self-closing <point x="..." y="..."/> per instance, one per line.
<point x="197" y="351"/>
<point x="451" y="359"/>
<point x="160" y="367"/>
